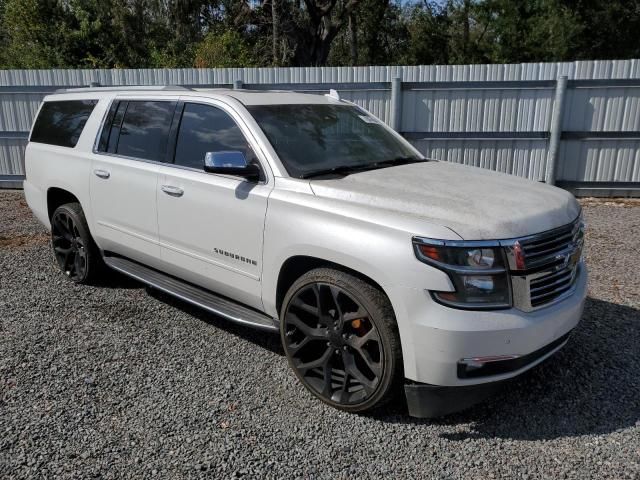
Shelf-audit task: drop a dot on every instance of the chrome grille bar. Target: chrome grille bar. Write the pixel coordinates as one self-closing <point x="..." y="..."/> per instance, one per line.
<point x="544" y="267"/>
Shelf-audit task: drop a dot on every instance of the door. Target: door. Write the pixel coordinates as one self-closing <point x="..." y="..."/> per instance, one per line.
<point x="211" y="226"/>
<point x="124" y="177"/>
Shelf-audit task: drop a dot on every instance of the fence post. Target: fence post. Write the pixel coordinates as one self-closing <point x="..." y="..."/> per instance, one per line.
<point x="556" y="131"/>
<point x="396" y="104"/>
<point x="237" y="85"/>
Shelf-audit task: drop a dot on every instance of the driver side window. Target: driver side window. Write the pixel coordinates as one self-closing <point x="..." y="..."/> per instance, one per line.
<point x="205" y="128"/>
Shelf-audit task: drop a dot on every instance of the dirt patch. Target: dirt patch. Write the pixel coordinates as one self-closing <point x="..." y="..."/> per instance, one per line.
<point x="609" y="202"/>
<point x="16" y="219"/>
<point x="17" y="241"/>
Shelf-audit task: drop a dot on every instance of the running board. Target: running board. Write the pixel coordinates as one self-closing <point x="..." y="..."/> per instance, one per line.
<point x="190" y="293"/>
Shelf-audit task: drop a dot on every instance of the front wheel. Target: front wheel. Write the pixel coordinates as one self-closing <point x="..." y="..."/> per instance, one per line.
<point x="73" y="247"/>
<point x="341" y="339"/>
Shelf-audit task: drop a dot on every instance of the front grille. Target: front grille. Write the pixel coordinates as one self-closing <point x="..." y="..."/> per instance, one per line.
<point x="552" y="285"/>
<point x="544" y="267"/>
<point x="546" y="249"/>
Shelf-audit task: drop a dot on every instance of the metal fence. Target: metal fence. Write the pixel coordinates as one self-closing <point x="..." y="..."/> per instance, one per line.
<point x="576" y="124"/>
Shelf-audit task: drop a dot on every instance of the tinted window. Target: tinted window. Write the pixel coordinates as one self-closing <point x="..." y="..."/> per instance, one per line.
<point x="144" y="131"/>
<point x="104" y="134"/>
<point x="203" y="129"/>
<point x="61" y="123"/>
<point x="309" y="138"/>
<point x="116" y="124"/>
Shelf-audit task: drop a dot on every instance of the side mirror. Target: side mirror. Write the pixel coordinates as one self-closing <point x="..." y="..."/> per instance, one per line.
<point x="231" y="163"/>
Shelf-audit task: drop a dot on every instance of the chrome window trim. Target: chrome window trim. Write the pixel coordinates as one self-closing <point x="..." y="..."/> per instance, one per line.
<point x="248" y="133"/>
<point x="180" y="167"/>
<point x="96" y="141"/>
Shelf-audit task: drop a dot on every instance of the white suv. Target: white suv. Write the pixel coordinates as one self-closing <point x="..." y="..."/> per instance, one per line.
<point x="305" y="214"/>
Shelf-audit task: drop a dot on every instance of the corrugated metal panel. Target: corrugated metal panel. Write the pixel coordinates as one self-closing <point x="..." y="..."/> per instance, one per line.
<point x="12" y="156"/>
<point x="477" y="110"/>
<point x="600" y="161"/>
<point x="523" y="109"/>
<point x="377" y="101"/>
<point x="17" y="111"/>
<point x="525" y="158"/>
<point x="602" y="109"/>
<point x="430" y="73"/>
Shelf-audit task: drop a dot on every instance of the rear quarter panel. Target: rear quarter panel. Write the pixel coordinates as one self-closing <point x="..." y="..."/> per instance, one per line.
<point x="51" y="166"/>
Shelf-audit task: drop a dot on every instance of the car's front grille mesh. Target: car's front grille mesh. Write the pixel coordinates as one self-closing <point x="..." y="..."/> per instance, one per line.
<point x="550" y="261"/>
<point x="551" y="286"/>
<point x="543" y="250"/>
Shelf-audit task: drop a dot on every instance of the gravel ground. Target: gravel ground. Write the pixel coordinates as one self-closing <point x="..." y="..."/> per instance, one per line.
<point x="116" y="382"/>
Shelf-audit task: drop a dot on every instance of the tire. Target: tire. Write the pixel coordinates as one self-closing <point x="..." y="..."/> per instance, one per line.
<point x="74" y="249"/>
<point x="346" y="352"/>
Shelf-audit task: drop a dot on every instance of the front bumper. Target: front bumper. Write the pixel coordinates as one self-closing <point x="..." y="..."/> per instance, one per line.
<point x="430" y="401"/>
<point x="435" y="339"/>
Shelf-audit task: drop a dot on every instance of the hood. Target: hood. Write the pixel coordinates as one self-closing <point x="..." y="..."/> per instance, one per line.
<point x="477" y="204"/>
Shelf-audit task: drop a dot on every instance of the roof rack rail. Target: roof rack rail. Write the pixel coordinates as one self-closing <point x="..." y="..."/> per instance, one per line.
<point x="117" y="88"/>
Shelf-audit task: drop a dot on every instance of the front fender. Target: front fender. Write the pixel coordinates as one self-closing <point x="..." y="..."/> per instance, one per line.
<point x="372" y="243"/>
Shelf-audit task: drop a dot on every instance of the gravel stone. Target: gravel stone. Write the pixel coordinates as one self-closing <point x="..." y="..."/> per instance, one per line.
<point x="119" y="382"/>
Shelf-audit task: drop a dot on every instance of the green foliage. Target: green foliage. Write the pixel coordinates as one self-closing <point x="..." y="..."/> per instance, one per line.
<point x="428" y="27"/>
<point x="234" y="33"/>
<point x="34" y="31"/>
<point x="227" y="49"/>
<point x="527" y="30"/>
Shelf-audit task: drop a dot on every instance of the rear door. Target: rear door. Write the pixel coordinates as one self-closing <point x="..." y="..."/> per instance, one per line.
<point x="211" y="226"/>
<point x="124" y="177"/>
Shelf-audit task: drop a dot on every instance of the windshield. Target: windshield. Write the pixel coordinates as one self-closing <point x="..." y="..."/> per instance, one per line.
<point x="319" y="138"/>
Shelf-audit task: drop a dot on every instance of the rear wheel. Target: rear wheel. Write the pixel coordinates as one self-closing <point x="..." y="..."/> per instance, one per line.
<point x="341" y="339"/>
<point x="73" y="247"/>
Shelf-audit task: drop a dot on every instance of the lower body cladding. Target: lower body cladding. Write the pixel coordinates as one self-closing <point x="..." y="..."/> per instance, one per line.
<point x="456" y="358"/>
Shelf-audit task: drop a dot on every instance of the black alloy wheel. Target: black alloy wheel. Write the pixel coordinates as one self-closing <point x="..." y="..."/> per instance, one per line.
<point x="73" y="248"/>
<point x="342" y="350"/>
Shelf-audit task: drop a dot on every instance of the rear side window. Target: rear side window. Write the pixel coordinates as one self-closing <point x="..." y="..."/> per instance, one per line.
<point x="140" y="129"/>
<point x="61" y="122"/>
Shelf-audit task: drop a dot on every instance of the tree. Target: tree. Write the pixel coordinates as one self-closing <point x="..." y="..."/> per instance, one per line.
<point x="428" y="28"/>
<point x="275" y="21"/>
<point x="175" y="33"/>
<point x="377" y="21"/>
<point x="609" y="29"/>
<point x="227" y="49"/>
<point x="34" y="34"/>
<point x="526" y="30"/>
<point x="380" y="36"/>
<point x="4" y="41"/>
<point x="312" y="26"/>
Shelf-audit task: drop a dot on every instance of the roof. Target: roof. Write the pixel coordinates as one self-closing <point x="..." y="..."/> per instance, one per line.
<point x="247" y="97"/>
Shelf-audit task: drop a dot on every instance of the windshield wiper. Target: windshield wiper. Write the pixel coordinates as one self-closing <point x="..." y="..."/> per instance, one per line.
<point x="398" y="161"/>
<point x="347" y="169"/>
<point x="341" y="170"/>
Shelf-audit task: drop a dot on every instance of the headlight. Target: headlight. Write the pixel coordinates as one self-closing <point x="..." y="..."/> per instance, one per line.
<point x="477" y="270"/>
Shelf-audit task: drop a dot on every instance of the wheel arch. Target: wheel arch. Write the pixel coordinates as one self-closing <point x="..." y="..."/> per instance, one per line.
<point x="297" y="265"/>
<point x="57" y="196"/>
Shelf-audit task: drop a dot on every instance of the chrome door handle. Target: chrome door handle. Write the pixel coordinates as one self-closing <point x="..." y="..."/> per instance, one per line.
<point x="102" y="174"/>
<point x="173" y="191"/>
